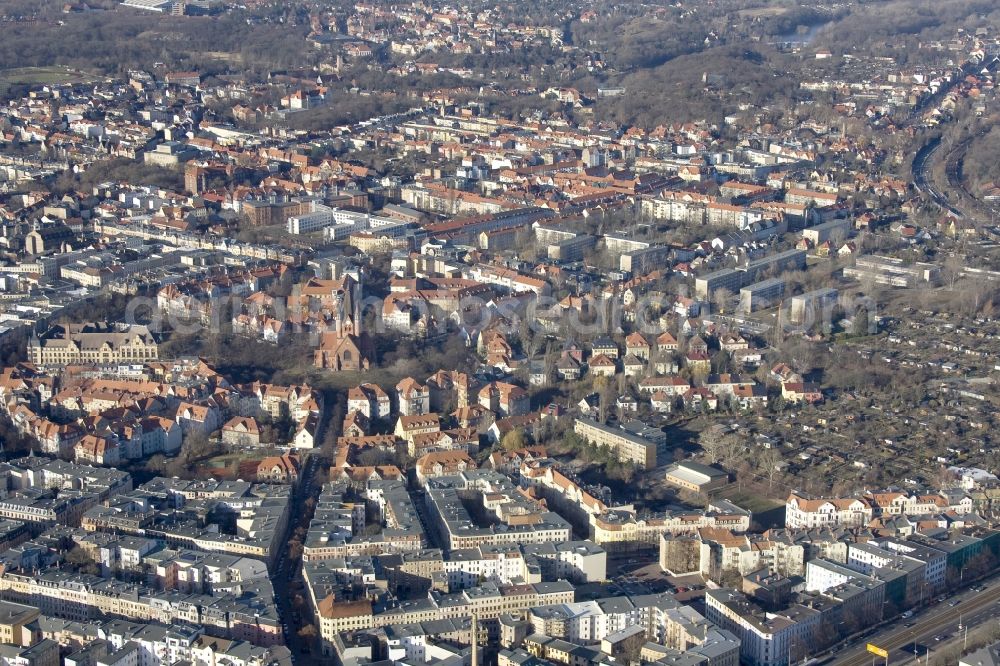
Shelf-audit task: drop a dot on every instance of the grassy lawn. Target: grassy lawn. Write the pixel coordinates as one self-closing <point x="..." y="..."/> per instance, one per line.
<point x="761" y="12"/>
<point x="223" y="459"/>
<point x="750" y="501"/>
<point x="231" y="460"/>
<point x="40" y="76"/>
<point x="224" y="56"/>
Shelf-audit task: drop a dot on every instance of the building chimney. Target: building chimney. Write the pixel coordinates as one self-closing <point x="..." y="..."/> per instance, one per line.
<point x="475" y="639"/>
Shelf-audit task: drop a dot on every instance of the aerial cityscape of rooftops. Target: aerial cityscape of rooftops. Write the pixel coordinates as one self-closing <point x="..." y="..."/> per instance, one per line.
<point x="562" y="332"/>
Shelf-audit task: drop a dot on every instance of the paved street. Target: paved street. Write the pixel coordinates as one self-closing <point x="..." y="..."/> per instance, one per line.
<point x="287" y="570"/>
<point x="939" y="620"/>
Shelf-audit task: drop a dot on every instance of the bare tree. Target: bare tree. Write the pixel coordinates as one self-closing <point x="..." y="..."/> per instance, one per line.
<point x="953" y="265"/>
<point x="767" y="465"/>
<point x="711" y="444"/>
<point x="721" y="297"/>
<point x="733" y="451"/>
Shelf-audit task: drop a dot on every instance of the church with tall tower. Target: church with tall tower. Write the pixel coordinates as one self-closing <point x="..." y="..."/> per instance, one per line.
<point x="343" y="346"/>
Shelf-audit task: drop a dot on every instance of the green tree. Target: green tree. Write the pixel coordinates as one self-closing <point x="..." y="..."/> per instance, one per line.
<point x="84" y="563"/>
<point x="513" y="440"/>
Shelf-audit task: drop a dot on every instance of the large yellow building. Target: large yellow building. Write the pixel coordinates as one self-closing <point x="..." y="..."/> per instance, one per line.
<point x="98" y="343"/>
<point x="14" y="621"/>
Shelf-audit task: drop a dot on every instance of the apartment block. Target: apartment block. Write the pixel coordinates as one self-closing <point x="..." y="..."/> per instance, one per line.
<point x="761" y="295"/>
<point x="628" y="447"/>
